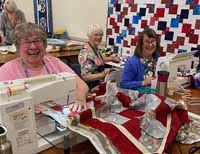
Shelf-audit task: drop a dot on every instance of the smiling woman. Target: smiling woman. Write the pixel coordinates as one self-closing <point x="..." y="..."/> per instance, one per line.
<point x="139" y="70"/>
<point x="30" y="41"/>
<point x="31" y="44"/>
<point x="91" y="60"/>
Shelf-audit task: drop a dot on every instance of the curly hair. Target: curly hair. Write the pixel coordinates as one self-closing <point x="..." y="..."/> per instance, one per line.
<point x="94" y="28"/>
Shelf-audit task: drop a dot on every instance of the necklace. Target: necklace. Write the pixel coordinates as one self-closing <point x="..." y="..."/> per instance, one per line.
<point x="26" y="72"/>
<point x="95" y="51"/>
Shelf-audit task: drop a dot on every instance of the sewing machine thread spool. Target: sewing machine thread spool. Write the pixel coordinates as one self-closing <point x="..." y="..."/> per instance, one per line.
<point x="162" y="83"/>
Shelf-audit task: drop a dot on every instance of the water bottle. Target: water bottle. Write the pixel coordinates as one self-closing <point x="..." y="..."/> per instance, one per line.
<point x="162" y="83"/>
<point x="5" y="145"/>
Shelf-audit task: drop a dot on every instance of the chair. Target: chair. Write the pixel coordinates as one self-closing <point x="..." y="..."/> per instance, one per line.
<point x="114" y="76"/>
<point x="77" y="68"/>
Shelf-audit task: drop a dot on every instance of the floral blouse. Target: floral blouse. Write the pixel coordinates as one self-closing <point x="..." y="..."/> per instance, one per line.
<point x="89" y="61"/>
<point x="149" y="68"/>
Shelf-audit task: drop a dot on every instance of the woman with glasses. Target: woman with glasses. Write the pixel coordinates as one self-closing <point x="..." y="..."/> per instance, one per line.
<point x="31" y="41"/>
<point x="10" y="17"/>
<point x="139" y="70"/>
<point x="91" y="60"/>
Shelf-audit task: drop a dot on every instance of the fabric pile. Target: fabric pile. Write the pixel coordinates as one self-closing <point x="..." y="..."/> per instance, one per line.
<point x="124" y="121"/>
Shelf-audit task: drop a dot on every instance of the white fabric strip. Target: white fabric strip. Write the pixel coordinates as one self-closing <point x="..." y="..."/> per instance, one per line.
<point x="194" y="116"/>
<point x="109" y="144"/>
<point x="126" y="133"/>
<point x="162" y="146"/>
<point x="92" y="137"/>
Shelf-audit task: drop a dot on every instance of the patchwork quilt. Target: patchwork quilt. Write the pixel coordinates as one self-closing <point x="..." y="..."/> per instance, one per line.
<point x="124" y="121"/>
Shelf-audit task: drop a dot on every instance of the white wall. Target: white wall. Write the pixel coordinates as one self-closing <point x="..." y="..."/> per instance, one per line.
<point x="27" y="7"/>
<point x="73" y="15"/>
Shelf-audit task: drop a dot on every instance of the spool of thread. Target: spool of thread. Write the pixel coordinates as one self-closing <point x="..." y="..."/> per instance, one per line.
<point x="15" y="90"/>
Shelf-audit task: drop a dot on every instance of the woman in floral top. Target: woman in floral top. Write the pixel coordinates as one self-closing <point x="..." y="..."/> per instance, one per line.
<point x="91" y="60"/>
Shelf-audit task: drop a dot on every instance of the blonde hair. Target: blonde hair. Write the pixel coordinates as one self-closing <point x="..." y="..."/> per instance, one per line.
<point x="94" y="28"/>
<point x="10" y="6"/>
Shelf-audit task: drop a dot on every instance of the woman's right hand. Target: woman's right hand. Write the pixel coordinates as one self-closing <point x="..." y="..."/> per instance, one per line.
<point x="2" y="40"/>
<point x="147" y="81"/>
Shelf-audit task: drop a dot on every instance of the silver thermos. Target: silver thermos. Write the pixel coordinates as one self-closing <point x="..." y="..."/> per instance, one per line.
<point x="162" y="83"/>
<point x="5" y="145"/>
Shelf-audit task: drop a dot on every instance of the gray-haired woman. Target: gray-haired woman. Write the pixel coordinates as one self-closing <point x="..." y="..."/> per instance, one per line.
<point x="10" y="17"/>
<point x="91" y="60"/>
<point x="30" y="41"/>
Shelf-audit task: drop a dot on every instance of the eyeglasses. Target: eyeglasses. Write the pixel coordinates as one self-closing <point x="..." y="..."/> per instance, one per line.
<point x="152" y="41"/>
<point x="27" y="43"/>
<point x="98" y="34"/>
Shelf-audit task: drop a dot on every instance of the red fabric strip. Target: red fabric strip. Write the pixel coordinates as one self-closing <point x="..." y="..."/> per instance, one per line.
<point x="133" y="126"/>
<point x="161" y="113"/>
<point x="86" y="115"/>
<point x="120" y="141"/>
<point x="124" y="99"/>
<point x="131" y="113"/>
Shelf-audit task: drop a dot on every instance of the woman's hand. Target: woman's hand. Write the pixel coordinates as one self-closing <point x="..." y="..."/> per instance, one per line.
<point x="105" y="72"/>
<point x="39" y="108"/>
<point x="115" y="58"/>
<point x="78" y="106"/>
<point x="81" y="95"/>
<point x="2" y="40"/>
<point x="147" y="81"/>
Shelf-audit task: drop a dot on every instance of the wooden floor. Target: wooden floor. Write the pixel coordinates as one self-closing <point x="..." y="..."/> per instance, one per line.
<point x="83" y="148"/>
<point x="88" y="148"/>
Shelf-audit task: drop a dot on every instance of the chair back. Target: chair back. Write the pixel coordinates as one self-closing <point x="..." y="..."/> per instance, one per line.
<point x="114" y="76"/>
<point x="76" y="68"/>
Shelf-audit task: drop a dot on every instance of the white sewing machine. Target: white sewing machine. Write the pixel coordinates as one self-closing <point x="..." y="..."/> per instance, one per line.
<point x="174" y="63"/>
<point x="17" y="100"/>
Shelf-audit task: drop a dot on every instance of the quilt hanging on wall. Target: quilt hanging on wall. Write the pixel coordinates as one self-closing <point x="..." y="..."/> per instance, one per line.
<point x="176" y="21"/>
<point x="43" y="14"/>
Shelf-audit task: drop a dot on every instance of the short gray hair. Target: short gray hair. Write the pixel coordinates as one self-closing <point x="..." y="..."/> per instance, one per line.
<point x="10" y="6"/>
<point x="25" y="30"/>
<point x="94" y="28"/>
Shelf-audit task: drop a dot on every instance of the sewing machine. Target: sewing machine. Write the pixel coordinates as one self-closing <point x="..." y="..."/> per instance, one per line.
<point x="18" y="98"/>
<point x="178" y="66"/>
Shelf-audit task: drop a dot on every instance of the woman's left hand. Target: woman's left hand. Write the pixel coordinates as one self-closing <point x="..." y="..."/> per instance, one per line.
<point x="115" y="58"/>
